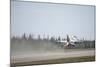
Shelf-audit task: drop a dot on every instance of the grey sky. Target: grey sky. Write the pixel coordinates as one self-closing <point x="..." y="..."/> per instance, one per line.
<point x="52" y="19"/>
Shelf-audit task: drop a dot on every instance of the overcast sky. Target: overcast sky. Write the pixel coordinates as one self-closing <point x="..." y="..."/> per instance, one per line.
<point x="52" y="19"/>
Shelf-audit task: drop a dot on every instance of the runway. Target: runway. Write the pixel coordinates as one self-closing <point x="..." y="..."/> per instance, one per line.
<point x="69" y="53"/>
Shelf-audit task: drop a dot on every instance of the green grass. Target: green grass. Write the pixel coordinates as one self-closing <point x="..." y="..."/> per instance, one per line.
<point x="56" y="61"/>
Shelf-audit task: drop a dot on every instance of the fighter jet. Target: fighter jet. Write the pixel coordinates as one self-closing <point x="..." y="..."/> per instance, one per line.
<point x="69" y="42"/>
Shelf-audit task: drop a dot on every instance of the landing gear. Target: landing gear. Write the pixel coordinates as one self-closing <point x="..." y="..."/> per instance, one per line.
<point x="69" y="45"/>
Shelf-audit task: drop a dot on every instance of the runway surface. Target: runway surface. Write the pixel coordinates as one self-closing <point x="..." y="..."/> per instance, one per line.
<point x="68" y="53"/>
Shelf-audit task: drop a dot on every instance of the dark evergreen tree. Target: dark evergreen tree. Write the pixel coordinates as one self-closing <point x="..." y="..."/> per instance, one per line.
<point x="39" y="38"/>
<point x="24" y="36"/>
<point x="59" y="38"/>
<point x="52" y="39"/>
<point x="30" y="37"/>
